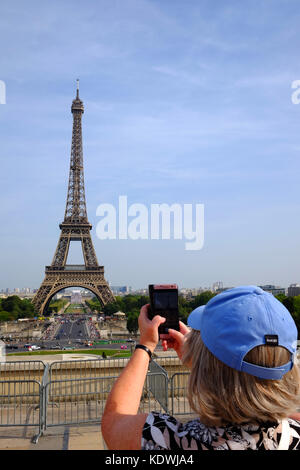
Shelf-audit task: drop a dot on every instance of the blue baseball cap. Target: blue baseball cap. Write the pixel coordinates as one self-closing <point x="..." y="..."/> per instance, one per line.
<point x="237" y="320"/>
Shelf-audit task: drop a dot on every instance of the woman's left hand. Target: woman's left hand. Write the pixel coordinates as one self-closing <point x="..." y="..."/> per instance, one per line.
<point x="175" y="339"/>
<point x="149" y="328"/>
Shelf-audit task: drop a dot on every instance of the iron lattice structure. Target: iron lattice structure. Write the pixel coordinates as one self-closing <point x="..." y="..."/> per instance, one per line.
<point x="75" y="226"/>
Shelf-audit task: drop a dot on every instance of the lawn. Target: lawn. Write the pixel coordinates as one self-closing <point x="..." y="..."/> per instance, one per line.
<point x="98" y="352"/>
<point x="75" y="308"/>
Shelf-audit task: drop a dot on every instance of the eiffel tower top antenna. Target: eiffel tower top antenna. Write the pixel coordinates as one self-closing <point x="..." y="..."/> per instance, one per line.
<point x="76" y="206"/>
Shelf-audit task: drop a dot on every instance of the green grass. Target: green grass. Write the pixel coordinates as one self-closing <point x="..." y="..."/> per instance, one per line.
<point x="75" y="308"/>
<point x="98" y="352"/>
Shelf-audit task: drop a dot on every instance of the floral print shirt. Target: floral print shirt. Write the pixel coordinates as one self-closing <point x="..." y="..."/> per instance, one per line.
<point x="164" y="432"/>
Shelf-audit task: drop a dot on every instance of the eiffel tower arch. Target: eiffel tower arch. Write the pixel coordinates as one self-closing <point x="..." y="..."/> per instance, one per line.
<point x="75" y="227"/>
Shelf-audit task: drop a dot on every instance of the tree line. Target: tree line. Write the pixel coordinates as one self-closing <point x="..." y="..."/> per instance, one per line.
<point x="12" y="308"/>
<point x="131" y="304"/>
<point x="56" y="305"/>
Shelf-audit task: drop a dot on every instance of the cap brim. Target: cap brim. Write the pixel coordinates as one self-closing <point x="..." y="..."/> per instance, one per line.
<point x="195" y="318"/>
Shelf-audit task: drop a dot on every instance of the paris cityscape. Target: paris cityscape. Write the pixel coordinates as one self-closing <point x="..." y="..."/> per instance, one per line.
<point x="144" y="142"/>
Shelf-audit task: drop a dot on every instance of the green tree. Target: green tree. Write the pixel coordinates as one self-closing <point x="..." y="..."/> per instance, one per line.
<point x="288" y="302"/>
<point x="184" y="308"/>
<point x="280" y="297"/>
<point x="111" y="308"/>
<point x="132" y="321"/>
<point x="293" y="306"/>
<point x="296" y="313"/>
<point x="143" y="300"/>
<point x="130" y="302"/>
<point x="202" y="299"/>
<point x="297" y="305"/>
<point x="6" y="316"/>
<point x="16" y="308"/>
<point x="94" y="304"/>
<point x="56" y="305"/>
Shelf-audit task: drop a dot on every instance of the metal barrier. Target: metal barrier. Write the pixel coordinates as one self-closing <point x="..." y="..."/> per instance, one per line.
<point x="170" y="387"/>
<point x="20" y="403"/>
<point x="179" y="402"/>
<point x="43" y="404"/>
<point x="158" y="383"/>
<point x="78" y="401"/>
<point x="74" y="401"/>
<point x="75" y="392"/>
<point x="171" y="364"/>
<point x="86" y="368"/>
<point x="21" y="395"/>
<point x="154" y="399"/>
<point x="22" y="370"/>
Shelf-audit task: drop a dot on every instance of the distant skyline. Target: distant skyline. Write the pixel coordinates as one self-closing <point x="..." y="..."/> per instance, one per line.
<point x="23" y="290"/>
<point x="185" y="102"/>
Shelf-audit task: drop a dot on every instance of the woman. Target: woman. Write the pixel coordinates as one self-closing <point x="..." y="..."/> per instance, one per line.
<point x="244" y="380"/>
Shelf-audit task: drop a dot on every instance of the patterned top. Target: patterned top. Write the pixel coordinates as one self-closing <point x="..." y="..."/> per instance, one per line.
<point x="164" y="432"/>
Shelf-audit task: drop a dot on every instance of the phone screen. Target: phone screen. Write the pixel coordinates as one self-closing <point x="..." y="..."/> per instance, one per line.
<point x="164" y="302"/>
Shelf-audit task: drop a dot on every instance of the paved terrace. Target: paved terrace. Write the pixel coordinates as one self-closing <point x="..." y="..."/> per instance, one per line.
<point x="82" y="437"/>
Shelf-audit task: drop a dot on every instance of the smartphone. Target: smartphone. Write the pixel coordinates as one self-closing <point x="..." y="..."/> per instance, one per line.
<point x="164" y="302"/>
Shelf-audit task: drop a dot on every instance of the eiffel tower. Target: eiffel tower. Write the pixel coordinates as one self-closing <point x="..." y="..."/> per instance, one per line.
<point x="74" y="227"/>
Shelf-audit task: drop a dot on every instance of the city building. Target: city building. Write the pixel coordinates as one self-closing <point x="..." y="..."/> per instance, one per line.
<point x="294" y="290"/>
<point x="275" y="290"/>
<point x="76" y="297"/>
<point x="121" y="289"/>
<point x="139" y="291"/>
<point x="190" y="293"/>
<point x="217" y="286"/>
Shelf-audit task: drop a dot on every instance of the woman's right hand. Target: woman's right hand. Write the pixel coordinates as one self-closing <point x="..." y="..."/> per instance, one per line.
<point x="175" y="339"/>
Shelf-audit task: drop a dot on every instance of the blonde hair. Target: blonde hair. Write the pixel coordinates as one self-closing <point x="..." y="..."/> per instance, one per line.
<point x="221" y="395"/>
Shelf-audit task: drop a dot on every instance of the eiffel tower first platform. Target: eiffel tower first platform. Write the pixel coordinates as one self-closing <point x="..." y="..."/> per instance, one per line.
<point x="74" y="227"/>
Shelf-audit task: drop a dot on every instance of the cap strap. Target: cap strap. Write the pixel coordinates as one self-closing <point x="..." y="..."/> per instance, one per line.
<point x="271" y="373"/>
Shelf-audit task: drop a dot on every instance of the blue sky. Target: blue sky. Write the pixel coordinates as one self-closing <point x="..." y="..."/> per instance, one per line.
<point x="185" y="101"/>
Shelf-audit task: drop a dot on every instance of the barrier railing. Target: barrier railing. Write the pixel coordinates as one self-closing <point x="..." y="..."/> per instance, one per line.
<point x="20" y="403"/>
<point x="78" y="401"/>
<point x="86" y="368"/>
<point x="74" y="401"/>
<point x="22" y="370"/>
<point x="158" y="383"/>
<point x="33" y="393"/>
<point x="75" y="392"/>
<point x="179" y="402"/>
